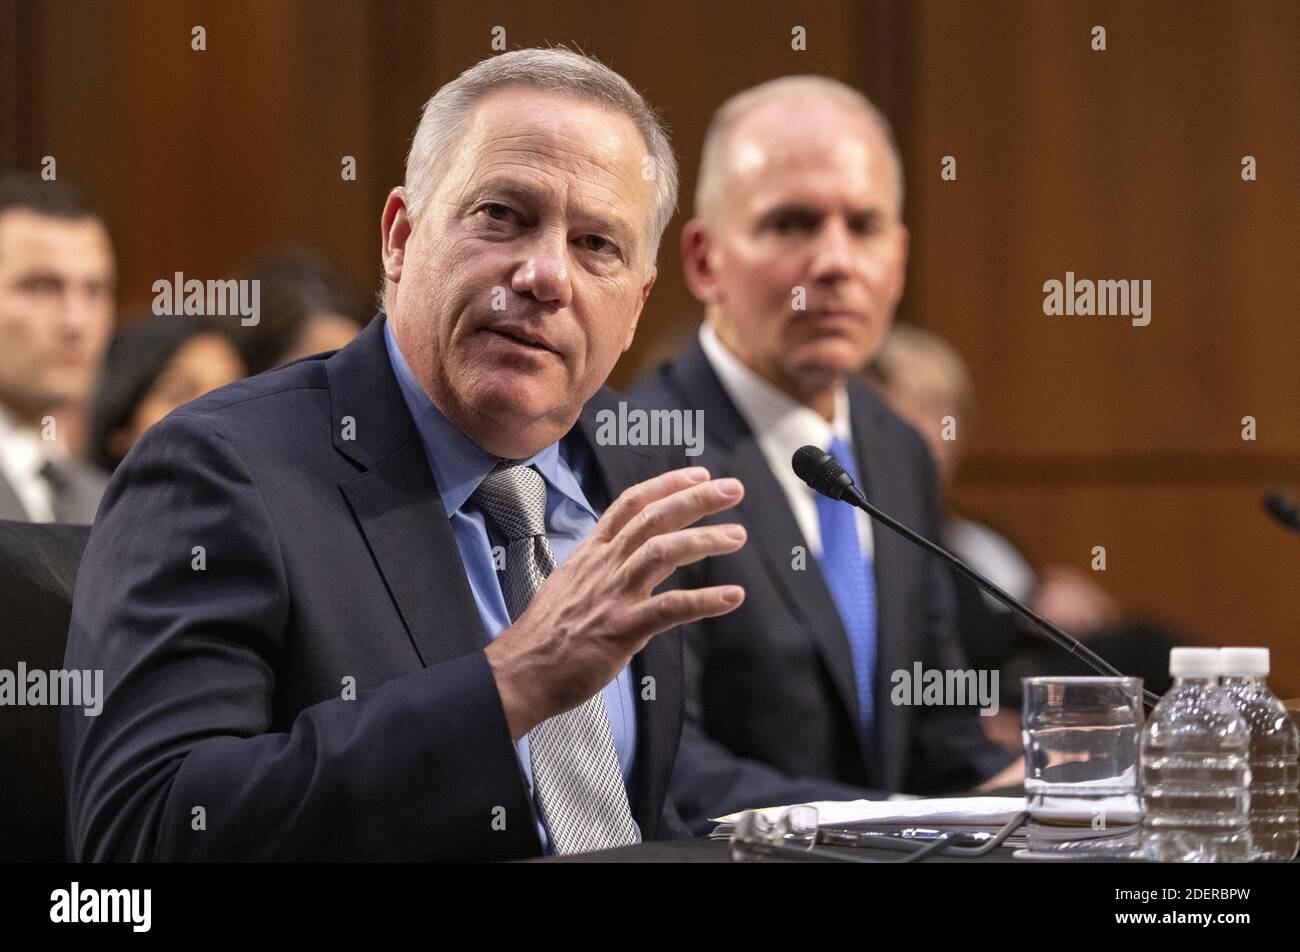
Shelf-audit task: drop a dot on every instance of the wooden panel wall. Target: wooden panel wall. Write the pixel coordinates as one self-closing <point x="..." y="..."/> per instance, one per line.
<point x="1121" y="164"/>
<point x="1115" y="164"/>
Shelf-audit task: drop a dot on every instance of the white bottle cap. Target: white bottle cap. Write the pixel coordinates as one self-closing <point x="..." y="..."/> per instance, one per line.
<point x="1194" y="662"/>
<point x="1244" y="661"/>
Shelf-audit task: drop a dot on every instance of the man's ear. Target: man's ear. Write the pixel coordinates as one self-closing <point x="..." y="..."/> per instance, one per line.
<point x="394" y="231"/>
<point x="696" y="268"/>
<point x="645" y="293"/>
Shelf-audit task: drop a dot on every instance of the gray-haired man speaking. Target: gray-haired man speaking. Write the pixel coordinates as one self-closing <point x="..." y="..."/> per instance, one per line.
<point x="396" y="602"/>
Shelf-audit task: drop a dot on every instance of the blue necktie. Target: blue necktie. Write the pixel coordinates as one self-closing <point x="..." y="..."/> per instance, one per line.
<point x="849" y="577"/>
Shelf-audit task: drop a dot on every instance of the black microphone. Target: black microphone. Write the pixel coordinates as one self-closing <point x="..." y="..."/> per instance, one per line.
<point x="1283" y="510"/>
<point x="823" y="473"/>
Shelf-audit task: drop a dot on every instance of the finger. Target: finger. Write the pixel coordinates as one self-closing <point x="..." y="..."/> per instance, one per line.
<point x="681" y="606"/>
<point x="678" y="511"/>
<point x="635" y="498"/>
<point x="661" y="555"/>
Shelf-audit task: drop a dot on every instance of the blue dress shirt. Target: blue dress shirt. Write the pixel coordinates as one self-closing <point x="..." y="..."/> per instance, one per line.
<point x="459" y="465"/>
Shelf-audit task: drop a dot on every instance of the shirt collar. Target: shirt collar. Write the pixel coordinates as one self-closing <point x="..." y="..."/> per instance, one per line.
<point x="459" y="464"/>
<point x="24" y="450"/>
<point x="782" y="422"/>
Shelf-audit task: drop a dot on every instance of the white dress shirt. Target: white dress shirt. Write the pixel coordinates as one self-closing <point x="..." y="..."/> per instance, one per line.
<point x="782" y="425"/>
<point x="22" y="455"/>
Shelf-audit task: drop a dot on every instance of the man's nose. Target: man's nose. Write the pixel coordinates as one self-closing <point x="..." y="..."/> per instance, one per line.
<point x="832" y="251"/>
<point x="545" y="273"/>
<point x="78" y="311"/>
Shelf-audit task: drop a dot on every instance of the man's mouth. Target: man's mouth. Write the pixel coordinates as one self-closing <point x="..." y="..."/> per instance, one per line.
<point x="522" y="337"/>
<point x="69" y="358"/>
<point x="831" y="313"/>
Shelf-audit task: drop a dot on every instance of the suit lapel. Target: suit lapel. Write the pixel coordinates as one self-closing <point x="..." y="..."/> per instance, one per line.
<point x="659" y="700"/>
<point x="400" y="513"/>
<point x="895" y="643"/>
<point x="397" y="504"/>
<point x="776" y="534"/>
<point x="657" y="685"/>
<point x="619" y="467"/>
<point x="11" y="507"/>
<point x="775" y="530"/>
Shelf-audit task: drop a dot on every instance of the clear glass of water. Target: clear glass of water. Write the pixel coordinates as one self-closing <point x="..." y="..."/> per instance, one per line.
<point x="1082" y="737"/>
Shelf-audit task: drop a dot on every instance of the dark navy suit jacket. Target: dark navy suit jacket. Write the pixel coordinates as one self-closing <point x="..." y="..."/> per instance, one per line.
<point x="772" y="709"/>
<point x="261" y="550"/>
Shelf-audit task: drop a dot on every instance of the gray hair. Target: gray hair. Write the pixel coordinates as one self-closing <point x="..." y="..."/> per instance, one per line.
<point x="712" y="174"/>
<point x="907" y="346"/>
<point x="557" y="69"/>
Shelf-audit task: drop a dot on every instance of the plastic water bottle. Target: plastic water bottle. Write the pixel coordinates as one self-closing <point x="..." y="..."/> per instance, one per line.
<point x="1274" y="750"/>
<point x="1196" y="768"/>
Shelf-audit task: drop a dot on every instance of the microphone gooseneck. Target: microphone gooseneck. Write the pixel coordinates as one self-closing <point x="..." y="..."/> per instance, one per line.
<point x="825" y="475"/>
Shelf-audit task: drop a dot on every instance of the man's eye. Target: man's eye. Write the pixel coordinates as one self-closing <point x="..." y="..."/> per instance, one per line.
<point x="496" y="211"/>
<point x="789" y="224"/>
<point x="42" y="285"/>
<point x="598" y="244"/>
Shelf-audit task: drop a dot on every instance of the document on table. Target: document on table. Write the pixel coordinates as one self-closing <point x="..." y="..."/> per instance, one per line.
<point x="965" y="814"/>
<point x="948" y="812"/>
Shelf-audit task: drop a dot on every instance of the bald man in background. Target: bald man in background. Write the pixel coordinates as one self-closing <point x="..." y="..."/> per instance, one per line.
<point x="797" y="251"/>
<point x="57" y="279"/>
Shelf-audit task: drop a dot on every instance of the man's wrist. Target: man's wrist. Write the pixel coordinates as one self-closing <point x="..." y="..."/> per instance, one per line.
<point x="515" y="686"/>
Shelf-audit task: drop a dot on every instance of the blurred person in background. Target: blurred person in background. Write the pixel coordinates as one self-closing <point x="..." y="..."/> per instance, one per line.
<point x="925" y="380"/>
<point x="798" y="252"/>
<point x="154" y="365"/>
<point x="307" y="307"/>
<point x="57" y="281"/>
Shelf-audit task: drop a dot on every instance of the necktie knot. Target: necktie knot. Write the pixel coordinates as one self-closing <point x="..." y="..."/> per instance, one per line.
<point x="513" y="497"/>
<point x="53" y="474"/>
<point x="840" y="450"/>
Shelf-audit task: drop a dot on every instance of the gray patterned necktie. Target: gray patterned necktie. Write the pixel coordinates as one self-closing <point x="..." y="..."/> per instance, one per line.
<point x="575" y="769"/>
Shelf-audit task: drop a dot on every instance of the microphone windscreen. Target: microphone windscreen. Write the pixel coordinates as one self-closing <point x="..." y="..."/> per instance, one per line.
<point x="806" y="461"/>
<point x="818" y="469"/>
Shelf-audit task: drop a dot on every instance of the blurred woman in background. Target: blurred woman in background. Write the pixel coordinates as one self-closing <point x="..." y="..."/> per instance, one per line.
<point x="154" y="365"/>
<point x="307" y="306"/>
